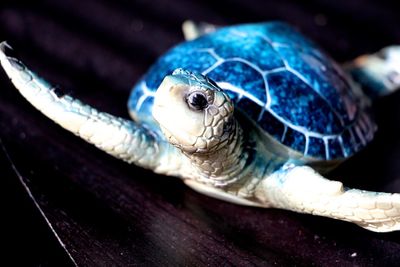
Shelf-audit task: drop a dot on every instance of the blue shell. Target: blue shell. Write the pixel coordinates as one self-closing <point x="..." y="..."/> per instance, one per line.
<point x="281" y="80"/>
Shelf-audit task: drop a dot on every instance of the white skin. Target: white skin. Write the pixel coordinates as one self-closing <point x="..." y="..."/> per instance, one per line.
<point x="382" y="67"/>
<point x="208" y="149"/>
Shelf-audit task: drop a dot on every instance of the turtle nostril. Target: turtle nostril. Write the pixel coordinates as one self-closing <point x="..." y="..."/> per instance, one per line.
<point x="197" y="101"/>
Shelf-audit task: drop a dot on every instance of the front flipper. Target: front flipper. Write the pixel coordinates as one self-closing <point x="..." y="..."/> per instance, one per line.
<point x="301" y="189"/>
<point x="121" y="138"/>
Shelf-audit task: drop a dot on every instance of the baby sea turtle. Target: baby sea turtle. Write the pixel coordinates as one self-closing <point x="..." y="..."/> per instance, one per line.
<point x="252" y="114"/>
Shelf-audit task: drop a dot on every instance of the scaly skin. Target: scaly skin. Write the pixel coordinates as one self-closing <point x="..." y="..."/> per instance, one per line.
<point x="118" y="137"/>
<point x="224" y="166"/>
<point x="301" y="189"/>
<point x="379" y="73"/>
<point x="238" y="168"/>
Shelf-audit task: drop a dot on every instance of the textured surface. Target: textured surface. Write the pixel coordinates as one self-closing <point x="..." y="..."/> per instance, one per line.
<point x="304" y="190"/>
<point x="118" y="137"/>
<point x="275" y="74"/>
<point x="109" y="213"/>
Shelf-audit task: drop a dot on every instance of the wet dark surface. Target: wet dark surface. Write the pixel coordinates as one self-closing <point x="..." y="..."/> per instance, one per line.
<point x="108" y="213"/>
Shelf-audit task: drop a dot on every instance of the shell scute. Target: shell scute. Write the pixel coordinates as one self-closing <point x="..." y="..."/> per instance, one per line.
<point x="279" y="79"/>
<point x="301" y="106"/>
<point x="241" y="78"/>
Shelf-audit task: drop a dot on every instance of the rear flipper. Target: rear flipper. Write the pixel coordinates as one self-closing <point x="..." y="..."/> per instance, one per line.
<point x="192" y="30"/>
<point x="379" y="73"/>
<point x="301" y="189"/>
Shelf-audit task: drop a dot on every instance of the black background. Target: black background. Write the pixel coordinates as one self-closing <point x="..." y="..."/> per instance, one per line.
<point x="108" y="213"/>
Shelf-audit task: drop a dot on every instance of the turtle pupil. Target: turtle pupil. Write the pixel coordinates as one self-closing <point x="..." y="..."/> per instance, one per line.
<point x="198" y="101"/>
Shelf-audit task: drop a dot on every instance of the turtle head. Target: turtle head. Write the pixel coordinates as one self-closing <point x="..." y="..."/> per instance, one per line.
<point x="194" y="113"/>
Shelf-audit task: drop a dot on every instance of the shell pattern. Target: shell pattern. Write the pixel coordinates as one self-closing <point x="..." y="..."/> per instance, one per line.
<point x="279" y="79"/>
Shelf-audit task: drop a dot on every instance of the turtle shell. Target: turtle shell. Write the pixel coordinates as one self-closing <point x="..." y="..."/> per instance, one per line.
<point x="279" y="79"/>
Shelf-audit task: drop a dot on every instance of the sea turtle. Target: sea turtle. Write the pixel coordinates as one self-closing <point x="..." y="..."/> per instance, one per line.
<point x="252" y="114"/>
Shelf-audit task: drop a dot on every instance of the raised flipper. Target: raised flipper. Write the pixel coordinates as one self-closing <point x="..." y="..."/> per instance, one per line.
<point x="379" y="73"/>
<point x="192" y="30"/>
<point x="301" y="189"/>
<point x="121" y="138"/>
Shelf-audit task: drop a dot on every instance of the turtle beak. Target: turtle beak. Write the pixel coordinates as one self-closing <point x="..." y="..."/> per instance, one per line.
<point x="164" y="91"/>
<point x="163" y="99"/>
<point x="171" y="111"/>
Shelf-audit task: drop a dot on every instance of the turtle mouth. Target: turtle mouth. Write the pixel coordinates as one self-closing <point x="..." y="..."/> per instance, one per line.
<point x="158" y="106"/>
<point x="157" y="112"/>
<point x="161" y="115"/>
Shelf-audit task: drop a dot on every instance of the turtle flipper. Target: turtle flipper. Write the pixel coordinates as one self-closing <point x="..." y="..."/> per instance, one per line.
<point x="379" y="73"/>
<point x="301" y="189"/>
<point x="192" y="30"/>
<point x="119" y="137"/>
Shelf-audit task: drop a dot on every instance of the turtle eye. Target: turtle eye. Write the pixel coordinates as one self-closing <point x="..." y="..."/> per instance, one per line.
<point x="197" y="101"/>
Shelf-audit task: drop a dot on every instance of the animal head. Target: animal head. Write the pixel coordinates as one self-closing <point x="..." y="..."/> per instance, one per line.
<point x="194" y="114"/>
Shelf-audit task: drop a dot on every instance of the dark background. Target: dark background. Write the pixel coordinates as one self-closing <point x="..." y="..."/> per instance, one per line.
<point x="107" y="213"/>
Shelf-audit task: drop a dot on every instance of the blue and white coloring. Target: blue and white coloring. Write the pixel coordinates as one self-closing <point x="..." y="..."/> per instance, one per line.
<point x="279" y="79"/>
<point x="249" y="114"/>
